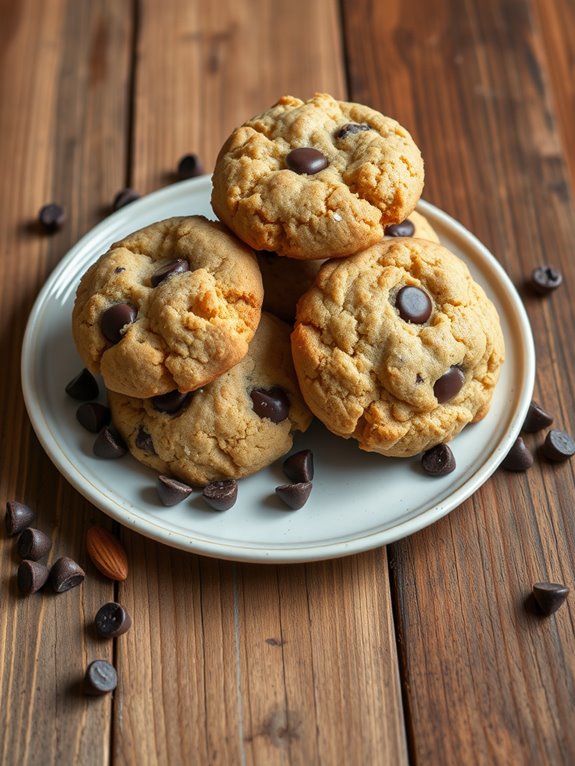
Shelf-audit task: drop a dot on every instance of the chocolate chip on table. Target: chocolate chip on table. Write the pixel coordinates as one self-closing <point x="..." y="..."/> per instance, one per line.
<point x="190" y="166"/>
<point x="172" y="491"/>
<point x="295" y="496"/>
<point x="545" y="279"/>
<point x="93" y="416"/>
<point x="83" y="387"/>
<point x="306" y="160"/>
<point x="414" y="305"/>
<point x="101" y="678"/>
<point x="536" y="419"/>
<point x="558" y="446"/>
<point x="124" y="197"/>
<point x="33" y="544"/>
<point x="66" y="574"/>
<point x="272" y="403"/>
<point x="170" y="269"/>
<point x="221" y="495"/>
<point x="52" y="217"/>
<point x="109" y="445"/>
<point x="519" y="458"/>
<point x="171" y="402"/>
<point x="403" y="229"/>
<point x="18" y="517"/>
<point x="144" y="441"/>
<point x="449" y="384"/>
<point x="351" y="128"/>
<point x="438" y="460"/>
<point x="31" y="576"/>
<point x="115" y="319"/>
<point x="112" y="620"/>
<point x="549" y="596"/>
<point x="299" y="466"/>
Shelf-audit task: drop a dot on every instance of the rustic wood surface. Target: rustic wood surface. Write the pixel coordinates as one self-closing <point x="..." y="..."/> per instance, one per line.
<point x="425" y="652"/>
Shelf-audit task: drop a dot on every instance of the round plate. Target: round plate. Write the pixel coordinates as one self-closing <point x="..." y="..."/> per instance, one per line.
<point x="359" y="500"/>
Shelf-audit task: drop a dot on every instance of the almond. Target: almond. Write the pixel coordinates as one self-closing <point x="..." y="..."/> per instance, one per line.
<point x="107" y="553"/>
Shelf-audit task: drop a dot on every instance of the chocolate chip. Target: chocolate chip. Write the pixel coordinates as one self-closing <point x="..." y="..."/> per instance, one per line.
<point x="93" y="416"/>
<point x="545" y="279"/>
<point x="519" y="458"/>
<point x="171" y="402"/>
<point x="403" y="229"/>
<point x="66" y="574"/>
<point x="18" y="517"/>
<point x="221" y="495"/>
<point x="549" y="596"/>
<point x="144" y="441"/>
<point x="413" y="304"/>
<point x="112" y="620"/>
<point x="190" y="166"/>
<point x="272" y="403"/>
<point x="299" y="466"/>
<point x="101" y="678"/>
<point x="52" y="217"/>
<point x="438" y="461"/>
<point x="109" y="444"/>
<point x="294" y="495"/>
<point x="351" y="128"/>
<point x="33" y="544"/>
<point x="172" y="491"/>
<point x="168" y="270"/>
<point x="536" y="419"/>
<point x="115" y="319"/>
<point x="306" y="161"/>
<point x="83" y="387"/>
<point x="124" y="197"/>
<point x="31" y="576"/>
<point x="119" y="269"/>
<point x="558" y="446"/>
<point x="449" y="385"/>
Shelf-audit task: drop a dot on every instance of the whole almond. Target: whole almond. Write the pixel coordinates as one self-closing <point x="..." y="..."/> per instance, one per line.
<point x="107" y="553"/>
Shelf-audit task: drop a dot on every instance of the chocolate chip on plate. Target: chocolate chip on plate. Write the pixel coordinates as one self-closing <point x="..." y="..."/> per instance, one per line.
<point x="144" y="441"/>
<point x="190" y="166"/>
<point x="295" y="496"/>
<point x="18" y="517"/>
<point x="306" y="160"/>
<point x="33" y="544"/>
<point x="83" y="387"/>
<point x="124" y="197"/>
<point x="549" y="596"/>
<point x="115" y="319"/>
<point x="558" y="446"/>
<point x="172" y="491"/>
<point x="93" y="416"/>
<point x="112" y="620"/>
<point x="438" y="460"/>
<point x="545" y="279"/>
<point x="272" y="403"/>
<point x="171" y="402"/>
<point x="414" y="305"/>
<point x="403" y="229"/>
<point x="109" y="445"/>
<point x="351" y="128"/>
<point x="31" y="576"/>
<point x="101" y="678"/>
<point x="66" y="574"/>
<point x="519" y="458"/>
<point x="52" y="217"/>
<point x="536" y="419"/>
<point x="170" y="269"/>
<point x="221" y="495"/>
<point x="299" y="466"/>
<point x="449" y="384"/>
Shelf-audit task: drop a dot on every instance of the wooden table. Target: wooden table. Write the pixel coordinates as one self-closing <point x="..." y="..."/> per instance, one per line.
<point x="422" y="652"/>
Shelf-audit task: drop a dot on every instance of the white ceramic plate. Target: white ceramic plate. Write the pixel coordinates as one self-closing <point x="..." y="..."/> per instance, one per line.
<point x="359" y="500"/>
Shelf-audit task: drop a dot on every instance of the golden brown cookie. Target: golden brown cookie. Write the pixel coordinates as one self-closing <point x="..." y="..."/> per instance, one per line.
<point x="316" y="179"/>
<point x="397" y="347"/>
<point x="171" y="306"/>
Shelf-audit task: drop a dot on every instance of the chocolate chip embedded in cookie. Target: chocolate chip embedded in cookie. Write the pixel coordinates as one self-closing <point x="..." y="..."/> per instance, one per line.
<point x="170" y="307"/>
<point x="399" y="376"/>
<point x="316" y="179"/>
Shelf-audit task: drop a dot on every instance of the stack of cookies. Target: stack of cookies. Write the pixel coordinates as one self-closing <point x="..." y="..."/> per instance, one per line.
<point x="393" y="344"/>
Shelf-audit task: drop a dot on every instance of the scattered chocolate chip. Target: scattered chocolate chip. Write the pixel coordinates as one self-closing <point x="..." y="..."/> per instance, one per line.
<point x="109" y="444"/>
<point x="519" y="458"/>
<point x="31" y="576"/>
<point x="124" y="197"/>
<point x="93" y="416"/>
<point x="144" y="441"/>
<point x="351" y="128"/>
<point x="33" y="544"/>
<point x="438" y="461"/>
<point x="83" y="387"/>
<point x="18" y="517"/>
<point x="171" y="402"/>
<point x="549" y="596"/>
<point x="414" y="305"/>
<point x="170" y="269"/>
<point x="119" y="269"/>
<point x="306" y="161"/>
<point x="66" y="574"/>
<point x="115" y="319"/>
<point x="545" y="279"/>
<point x="52" y="217"/>
<point x="299" y="466"/>
<point x="221" y="495"/>
<point x="449" y="384"/>
<point x="112" y="620"/>
<point x="190" y="166"/>
<point x="558" y="446"/>
<point x="172" y="491"/>
<point x="101" y="678"/>
<point x="272" y="403"/>
<point x="536" y="419"/>
<point x="403" y="229"/>
<point x="294" y="495"/>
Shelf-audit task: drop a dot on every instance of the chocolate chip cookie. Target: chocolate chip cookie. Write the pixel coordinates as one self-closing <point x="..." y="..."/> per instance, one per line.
<point x="316" y="179"/>
<point x="171" y="306"/>
<point x="397" y="347"/>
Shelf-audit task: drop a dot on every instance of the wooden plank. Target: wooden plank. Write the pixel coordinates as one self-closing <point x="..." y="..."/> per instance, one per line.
<point x="62" y="77"/>
<point x="485" y="680"/>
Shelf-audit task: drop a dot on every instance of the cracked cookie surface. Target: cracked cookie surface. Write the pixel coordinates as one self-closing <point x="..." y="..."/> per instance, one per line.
<point x="398" y="374"/>
<point x="371" y="175"/>
<point x="216" y="432"/>
<point x="171" y="306"/>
